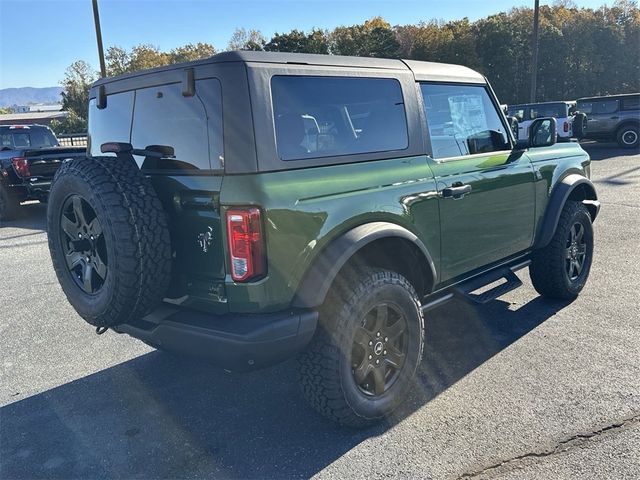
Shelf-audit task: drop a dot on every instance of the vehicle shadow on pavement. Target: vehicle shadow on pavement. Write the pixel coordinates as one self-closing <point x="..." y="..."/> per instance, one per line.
<point x="32" y="216"/>
<point x="605" y="151"/>
<point x="159" y="416"/>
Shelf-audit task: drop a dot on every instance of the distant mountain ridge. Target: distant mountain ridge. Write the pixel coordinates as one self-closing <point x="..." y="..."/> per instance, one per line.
<point x="29" y="95"/>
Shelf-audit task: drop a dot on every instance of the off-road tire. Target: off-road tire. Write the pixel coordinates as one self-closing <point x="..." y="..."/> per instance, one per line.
<point x="548" y="269"/>
<point x="626" y="134"/>
<point x="579" y="125"/>
<point x="9" y="206"/>
<point x="325" y="367"/>
<point x="136" y="238"/>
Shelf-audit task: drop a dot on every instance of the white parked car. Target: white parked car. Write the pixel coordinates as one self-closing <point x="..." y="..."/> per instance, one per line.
<point x="570" y="123"/>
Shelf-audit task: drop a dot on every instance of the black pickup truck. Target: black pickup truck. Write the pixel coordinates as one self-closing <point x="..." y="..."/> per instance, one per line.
<point x="29" y="158"/>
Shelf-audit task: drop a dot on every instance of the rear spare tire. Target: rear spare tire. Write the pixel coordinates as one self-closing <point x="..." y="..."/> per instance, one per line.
<point x="579" y="125"/>
<point x="108" y="239"/>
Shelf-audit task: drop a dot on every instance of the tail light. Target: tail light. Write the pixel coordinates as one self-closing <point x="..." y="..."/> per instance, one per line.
<point x="21" y="166"/>
<point x="246" y="244"/>
<point x="565" y="127"/>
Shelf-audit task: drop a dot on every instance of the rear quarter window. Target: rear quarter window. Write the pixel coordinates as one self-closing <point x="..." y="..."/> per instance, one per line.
<point x="631" y="103"/>
<point x="317" y="116"/>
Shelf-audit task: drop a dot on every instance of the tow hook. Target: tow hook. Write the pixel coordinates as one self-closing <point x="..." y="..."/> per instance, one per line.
<point x="101" y="330"/>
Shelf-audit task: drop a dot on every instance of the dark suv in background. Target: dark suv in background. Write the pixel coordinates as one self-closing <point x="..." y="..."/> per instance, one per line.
<point x="615" y="117"/>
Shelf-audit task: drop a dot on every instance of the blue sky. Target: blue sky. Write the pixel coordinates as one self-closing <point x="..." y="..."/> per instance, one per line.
<point x="40" y="38"/>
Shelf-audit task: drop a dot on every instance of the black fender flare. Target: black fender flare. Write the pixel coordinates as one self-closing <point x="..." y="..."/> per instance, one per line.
<point x="557" y="200"/>
<point x="318" y="279"/>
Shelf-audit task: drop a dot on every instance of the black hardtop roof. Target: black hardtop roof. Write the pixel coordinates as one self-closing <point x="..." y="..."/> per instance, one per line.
<point x="604" y="97"/>
<point x="422" y="70"/>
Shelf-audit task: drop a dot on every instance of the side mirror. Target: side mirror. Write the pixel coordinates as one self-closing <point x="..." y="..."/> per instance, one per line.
<point x="543" y="132"/>
<point x="513" y="124"/>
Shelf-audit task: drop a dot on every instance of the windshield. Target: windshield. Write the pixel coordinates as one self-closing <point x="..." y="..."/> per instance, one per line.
<point x="27" y="137"/>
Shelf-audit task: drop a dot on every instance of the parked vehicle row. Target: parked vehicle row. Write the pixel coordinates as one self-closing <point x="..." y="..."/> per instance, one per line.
<point x="613" y="118"/>
<point x="30" y="155"/>
<point x="607" y="118"/>
<point x="254" y="206"/>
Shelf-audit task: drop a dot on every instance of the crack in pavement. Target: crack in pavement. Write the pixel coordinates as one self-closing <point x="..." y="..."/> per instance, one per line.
<point x="562" y="446"/>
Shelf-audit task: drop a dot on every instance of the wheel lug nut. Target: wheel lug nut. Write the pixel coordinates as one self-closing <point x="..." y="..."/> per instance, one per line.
<point x="370" y="357"/>
<point x="378" y="334"/>
<point x="384" y="352"/>
<point x="79" y="235"/>
<point x="377" y="362"/>
<point x="386" y="339"/>
<point x="370" y="343"/>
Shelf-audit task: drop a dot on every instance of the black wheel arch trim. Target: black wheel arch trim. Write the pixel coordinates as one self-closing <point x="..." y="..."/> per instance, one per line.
<point x="318" y="279"/>
<point x="557" y="200"/>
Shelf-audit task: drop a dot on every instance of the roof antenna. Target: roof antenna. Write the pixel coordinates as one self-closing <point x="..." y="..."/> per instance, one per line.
<point x="96" y="20"/>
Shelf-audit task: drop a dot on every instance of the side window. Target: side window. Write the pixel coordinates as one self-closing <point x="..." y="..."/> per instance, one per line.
<point x="330" y="116"/>
<point x="163" y="116"/>
<point x="631" y="103"/>
<point x="585" y="107"/>
<point x="110" y="124"/>
<point x="605" y="106"/>
<point x="462" y="120"/>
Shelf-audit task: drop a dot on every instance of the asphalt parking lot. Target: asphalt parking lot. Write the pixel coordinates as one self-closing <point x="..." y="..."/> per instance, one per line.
<point x="520" y="388"/>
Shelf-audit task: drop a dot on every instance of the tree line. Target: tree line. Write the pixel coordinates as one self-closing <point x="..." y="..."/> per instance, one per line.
<point x="582" y="51"/>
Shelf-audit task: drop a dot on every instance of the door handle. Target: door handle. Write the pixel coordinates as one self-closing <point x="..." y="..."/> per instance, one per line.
<point x="614" y="118"/>
<point x="457" y="190"/>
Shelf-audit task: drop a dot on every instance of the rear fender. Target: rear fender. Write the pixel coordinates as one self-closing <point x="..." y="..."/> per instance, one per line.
<point x="323" y="271"/>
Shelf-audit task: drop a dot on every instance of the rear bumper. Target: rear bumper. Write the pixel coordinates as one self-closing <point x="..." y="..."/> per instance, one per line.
<point x="239" y="342"/>
<point x="31" y="190"/>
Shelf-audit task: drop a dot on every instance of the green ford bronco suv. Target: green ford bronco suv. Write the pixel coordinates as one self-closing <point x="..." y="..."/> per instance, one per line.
<point x="254" y="206"/>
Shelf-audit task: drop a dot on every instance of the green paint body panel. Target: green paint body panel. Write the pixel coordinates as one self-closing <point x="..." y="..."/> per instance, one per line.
<point x="305" y="209"/>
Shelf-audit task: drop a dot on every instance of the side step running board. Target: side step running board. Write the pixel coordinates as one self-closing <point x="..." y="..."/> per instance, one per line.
<point x="466" y="289"/>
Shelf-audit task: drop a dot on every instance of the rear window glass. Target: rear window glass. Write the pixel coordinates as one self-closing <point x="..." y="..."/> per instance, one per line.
<point x="556" y="110"/>
<point x="331" y="116"/>
<point x="192" y="126"/>
<point x="520" y="113"/>
<point x="110" y="124"/>
<point x="32" y="137"/>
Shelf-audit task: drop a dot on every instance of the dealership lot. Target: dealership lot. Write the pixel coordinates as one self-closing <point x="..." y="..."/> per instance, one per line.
<point x="519" y="388"/>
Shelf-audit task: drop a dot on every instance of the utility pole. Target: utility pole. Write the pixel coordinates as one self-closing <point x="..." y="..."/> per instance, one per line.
<point x="534" y="59"/>
<point x="96" y="20"/>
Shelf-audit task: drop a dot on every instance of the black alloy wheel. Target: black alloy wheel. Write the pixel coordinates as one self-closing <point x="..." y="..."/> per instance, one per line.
<point x="361" y="364"/>
<point x="84" y="244"/>
<point x="576" y="251"/>
<point x="379" y="349"/>
<point x="560" y="269"/>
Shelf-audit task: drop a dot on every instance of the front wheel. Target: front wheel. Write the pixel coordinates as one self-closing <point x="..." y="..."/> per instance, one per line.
<point x="362" y="362"/>
<point x="560" y="270"/>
